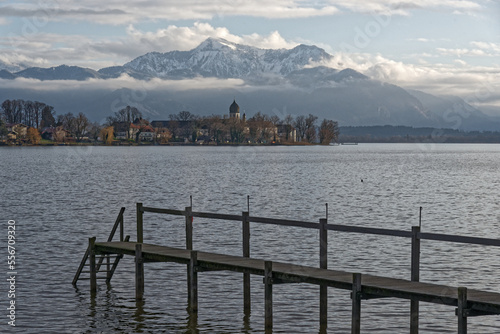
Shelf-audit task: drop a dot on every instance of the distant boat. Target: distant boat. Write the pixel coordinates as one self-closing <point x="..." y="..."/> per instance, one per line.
<point x="348" y="143"/>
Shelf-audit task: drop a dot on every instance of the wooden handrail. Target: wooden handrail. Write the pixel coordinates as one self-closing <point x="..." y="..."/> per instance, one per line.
<point x="331" y="227"/>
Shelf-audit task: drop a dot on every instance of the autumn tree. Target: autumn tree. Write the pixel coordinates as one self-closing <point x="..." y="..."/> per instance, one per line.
<point x="328" y="132"/>
<point x="107" y="135"/>
<point x="163" y="135"/>
<point x="33" y="136"/>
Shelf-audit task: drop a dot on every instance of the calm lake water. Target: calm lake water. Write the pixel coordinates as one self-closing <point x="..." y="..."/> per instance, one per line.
<point x="61" y="196"/>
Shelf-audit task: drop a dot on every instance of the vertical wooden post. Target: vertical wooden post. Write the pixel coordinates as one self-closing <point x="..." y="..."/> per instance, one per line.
<point x="268" y="295"/>
<point x="189" y="242"/>
<point x="108" y="268"/>
<point x="121" y="227"/>
<point x="93" y="271"/>
<point x="140" y="213"/>
<point x="193" y="288"/>
<point x="323" y="263"/>
<point x="189" y="228"/>
<point x="139" y="272"/>
<point x="462" y="307"/>
<point x="356" y="304"/>
<point x="246" y="253"/>
<point x="415" y="276"/>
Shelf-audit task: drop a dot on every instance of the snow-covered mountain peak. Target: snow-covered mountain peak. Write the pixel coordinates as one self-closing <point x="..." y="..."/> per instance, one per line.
<point x="217" y="57"/>
<point x="215" y="44"/>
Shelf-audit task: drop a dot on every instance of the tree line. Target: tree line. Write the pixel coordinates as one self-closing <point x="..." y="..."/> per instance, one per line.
<point x="38" y="115"/>
<point x="260" y="128"/>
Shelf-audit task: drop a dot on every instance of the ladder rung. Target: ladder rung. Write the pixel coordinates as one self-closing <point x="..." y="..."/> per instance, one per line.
<point x="88" y="278"/>
<point x="98" y="271"/>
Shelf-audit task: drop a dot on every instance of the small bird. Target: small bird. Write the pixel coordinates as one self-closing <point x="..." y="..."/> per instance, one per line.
<point x="361" y="180"/>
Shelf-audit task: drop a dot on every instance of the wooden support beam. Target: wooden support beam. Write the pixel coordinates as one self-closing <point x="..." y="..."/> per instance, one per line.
<point x="462" y="310"/>
<point x="246" y="253"/>
<point x="193" y="287"/>
<point x="93" y="268"/>
<point x="139" y="273"/>
<point x="323" y="263"/>
<point x="356" y="304"/>
<point x="268" y="295"/>
<point x="415" y="277"/>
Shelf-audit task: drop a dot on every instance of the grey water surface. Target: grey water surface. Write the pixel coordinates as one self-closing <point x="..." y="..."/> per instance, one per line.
<point x="61" y="196"/>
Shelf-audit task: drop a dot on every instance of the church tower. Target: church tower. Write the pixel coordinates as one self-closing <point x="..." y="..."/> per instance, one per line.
<point x="234" y="110"/>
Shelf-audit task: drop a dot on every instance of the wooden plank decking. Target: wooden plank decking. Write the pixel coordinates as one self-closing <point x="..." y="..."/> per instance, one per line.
<point x="480" y="302"/>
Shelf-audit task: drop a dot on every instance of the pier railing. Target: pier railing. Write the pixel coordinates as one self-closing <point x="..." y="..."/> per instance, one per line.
<point x="416" y="235"/>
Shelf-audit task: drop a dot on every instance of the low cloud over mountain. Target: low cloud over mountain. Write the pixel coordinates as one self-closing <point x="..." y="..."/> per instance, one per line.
<point x="205" y="80"/>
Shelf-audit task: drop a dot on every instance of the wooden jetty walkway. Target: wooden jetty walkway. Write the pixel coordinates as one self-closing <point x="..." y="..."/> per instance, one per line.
<point x="468" y="302"/>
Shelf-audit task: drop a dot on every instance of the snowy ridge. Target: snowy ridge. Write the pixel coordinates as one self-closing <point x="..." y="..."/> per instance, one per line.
<point x="223" y="59"/>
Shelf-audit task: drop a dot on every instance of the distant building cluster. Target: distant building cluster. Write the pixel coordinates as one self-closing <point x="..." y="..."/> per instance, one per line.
<point x="127" y="126"/>
<point x="228" y="128"/>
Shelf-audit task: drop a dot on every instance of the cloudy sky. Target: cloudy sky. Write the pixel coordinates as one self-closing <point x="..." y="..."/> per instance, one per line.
<point x="442" y="47"/>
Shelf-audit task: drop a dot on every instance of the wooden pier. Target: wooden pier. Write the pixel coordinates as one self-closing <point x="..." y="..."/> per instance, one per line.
<point x="468" y="302"/>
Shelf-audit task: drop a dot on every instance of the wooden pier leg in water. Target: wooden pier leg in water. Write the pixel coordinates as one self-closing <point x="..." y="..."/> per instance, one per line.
<point x="139" y="273"/>
<point x="93" y="271"/>
<point x="246" y="253"/>
<point x="140" y="213"/>
<point x="189" y="243"/>
<point x="323" y="263"/>
<point x="193" y="288"/>
<point x="462" y="307"/>
<point x="268" y="295"/>
<point x="415" y="277"/>
<point x="356" y="304"/>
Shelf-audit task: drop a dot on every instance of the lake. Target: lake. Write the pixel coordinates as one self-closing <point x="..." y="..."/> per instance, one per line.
<point x="61" y="196"/>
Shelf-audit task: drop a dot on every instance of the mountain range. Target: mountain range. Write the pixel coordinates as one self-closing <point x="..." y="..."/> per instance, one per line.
<point x="276" y="81"/>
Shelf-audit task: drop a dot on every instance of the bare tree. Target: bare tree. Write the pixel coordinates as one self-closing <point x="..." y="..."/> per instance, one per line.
<point x="94" y="129"/>
<point x="67" y="121"/>
<point x="311" y="128"/>
<point x="300" y="125"/>
<point x="48" y="119"/>
<point x="81" y="124"/>
<point x="328" y="131"/>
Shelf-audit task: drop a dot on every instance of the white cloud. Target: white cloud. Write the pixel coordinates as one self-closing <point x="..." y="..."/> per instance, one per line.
<point x="461" y="52"/>
<point x="491" y="48"/>
<point x="124" y="81"/>
<point x="120" y="12"/>
<point x="187" y="38"/>
<point x="398" y="7"/>
<point x="479" y="85"/>
<point x="47" y="49"/>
